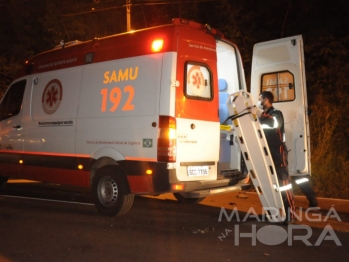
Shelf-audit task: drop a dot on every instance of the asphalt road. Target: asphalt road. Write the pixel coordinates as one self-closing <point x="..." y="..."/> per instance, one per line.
<point x="154" y="230"/>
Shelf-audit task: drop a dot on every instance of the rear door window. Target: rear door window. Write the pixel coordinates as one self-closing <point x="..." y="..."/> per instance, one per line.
<point x="198" y="83"/>
<point x="281" y="84"/>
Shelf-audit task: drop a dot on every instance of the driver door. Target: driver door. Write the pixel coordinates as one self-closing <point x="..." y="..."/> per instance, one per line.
<point x="11" y="130"/>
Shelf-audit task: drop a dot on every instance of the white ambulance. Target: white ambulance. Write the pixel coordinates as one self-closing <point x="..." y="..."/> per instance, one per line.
<point x="140" y="113"/>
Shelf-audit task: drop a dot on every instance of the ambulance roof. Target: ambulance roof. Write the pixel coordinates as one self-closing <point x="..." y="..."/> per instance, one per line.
<point x="129" y="44"/>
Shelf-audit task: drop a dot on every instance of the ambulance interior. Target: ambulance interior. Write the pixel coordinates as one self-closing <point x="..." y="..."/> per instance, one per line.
<point x="230" y="80"/>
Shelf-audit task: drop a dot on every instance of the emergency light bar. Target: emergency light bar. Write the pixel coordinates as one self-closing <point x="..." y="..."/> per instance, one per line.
<point x="157" y="45"/>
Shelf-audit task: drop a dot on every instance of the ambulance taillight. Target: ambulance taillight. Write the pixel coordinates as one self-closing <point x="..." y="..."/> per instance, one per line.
<point x="167" y="139"/>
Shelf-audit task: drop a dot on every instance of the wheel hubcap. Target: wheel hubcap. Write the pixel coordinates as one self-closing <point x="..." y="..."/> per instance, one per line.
<point x="108" y="191"/>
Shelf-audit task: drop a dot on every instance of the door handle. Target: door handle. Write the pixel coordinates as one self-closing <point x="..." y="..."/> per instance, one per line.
<point x="17" y="127"/>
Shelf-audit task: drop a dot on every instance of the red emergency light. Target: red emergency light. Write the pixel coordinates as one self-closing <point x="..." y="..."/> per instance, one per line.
<point x="157" y="45"/>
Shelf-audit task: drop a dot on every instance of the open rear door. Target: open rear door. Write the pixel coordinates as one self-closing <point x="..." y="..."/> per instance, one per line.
<point x="278" y="66"/>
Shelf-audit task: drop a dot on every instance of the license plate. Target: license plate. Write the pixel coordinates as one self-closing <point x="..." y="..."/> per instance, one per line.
<point x="197" y="170"/>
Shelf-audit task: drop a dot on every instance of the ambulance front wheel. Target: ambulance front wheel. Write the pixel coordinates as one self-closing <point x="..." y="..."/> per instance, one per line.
<point x="185" y="200"/>
<point x="3" y="181"/>
<point x="110" y="191"/>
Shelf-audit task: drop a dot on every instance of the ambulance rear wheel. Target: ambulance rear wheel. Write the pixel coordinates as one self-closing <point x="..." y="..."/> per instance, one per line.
<point x="110" y="191"/>
<point x="185" y="200"/>
<point x="3" y="181"/>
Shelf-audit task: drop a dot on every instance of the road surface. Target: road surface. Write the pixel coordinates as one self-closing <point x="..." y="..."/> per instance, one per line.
<point x="66" y="227"/>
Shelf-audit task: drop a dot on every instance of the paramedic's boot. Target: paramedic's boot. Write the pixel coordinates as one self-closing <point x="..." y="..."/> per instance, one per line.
<point x="313" y="202"/>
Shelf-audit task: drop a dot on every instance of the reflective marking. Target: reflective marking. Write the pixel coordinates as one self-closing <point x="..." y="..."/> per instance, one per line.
<point x="302" y="180"/>
<point x="276" y="124"/>
<point x="283" y="188"/>
<point x="140" y="159"/>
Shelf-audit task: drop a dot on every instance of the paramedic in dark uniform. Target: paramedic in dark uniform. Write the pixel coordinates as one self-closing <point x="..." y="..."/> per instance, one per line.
<point x="272" y="122"/>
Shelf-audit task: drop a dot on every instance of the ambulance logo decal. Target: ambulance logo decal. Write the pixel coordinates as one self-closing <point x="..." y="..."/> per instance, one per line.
<point x="52" y="96"/>
<point x="196" y="80"/>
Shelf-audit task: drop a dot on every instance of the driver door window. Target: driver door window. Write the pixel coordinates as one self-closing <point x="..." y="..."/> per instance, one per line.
<point x="12" y="102"/>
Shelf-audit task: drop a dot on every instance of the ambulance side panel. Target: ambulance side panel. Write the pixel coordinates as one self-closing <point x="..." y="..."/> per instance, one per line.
<point x="118" y="109"/>
<point x="49" y="128"/>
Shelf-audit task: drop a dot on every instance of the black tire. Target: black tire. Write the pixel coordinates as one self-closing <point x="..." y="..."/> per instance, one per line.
<point x="3" y="181"/>
<point x="185" y="200"/>
<point x="110" y="191"/>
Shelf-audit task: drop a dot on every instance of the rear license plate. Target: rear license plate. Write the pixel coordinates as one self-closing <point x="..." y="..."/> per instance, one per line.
<point x="197" y="170"/>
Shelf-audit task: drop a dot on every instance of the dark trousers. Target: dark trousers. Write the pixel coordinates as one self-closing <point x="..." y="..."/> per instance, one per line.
<point x="308" y="191"/>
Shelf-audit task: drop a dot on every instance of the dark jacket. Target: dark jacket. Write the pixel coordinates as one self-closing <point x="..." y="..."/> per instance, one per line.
<point x="272" y="122"/>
